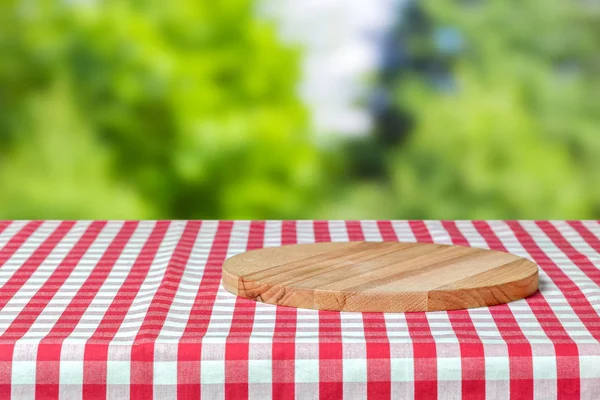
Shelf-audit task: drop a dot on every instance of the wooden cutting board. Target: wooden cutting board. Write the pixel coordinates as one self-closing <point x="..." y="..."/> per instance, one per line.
<point x="380" y="276"/>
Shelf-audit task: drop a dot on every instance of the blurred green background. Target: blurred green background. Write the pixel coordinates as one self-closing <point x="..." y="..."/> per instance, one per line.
<point x="190" y="109"/>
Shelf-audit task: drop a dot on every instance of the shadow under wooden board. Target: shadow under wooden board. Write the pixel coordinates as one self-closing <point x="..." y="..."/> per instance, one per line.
<point x="380" y="276"/>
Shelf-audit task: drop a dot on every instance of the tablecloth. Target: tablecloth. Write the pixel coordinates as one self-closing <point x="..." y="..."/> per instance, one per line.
<point x="135" y="309"/>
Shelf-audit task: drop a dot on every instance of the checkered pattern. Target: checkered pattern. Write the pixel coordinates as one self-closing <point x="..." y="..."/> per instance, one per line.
<point x="97" y="309"/>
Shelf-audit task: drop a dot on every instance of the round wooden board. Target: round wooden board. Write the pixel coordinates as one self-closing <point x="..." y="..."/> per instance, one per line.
<point x="380" y="276"/>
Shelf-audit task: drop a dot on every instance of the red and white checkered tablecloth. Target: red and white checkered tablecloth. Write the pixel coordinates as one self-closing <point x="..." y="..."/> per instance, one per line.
<point x="97" y="309"/>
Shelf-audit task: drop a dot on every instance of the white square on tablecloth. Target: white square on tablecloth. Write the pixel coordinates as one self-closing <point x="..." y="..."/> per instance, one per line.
<point x="402" y="369"/>
<point x="449" y="369"/>
<point x="165" y="373"/>
<point x="71" y="372"/>
<point x="497" y="368"/>
<point x="589" y="366"/>
<point x="355" y="370"/>
<point x="118" y="372"/>
<point x="212" y="372"/>
<point x="259" y="371"/>
<point x="544" y="367"/>
<point x="23" y="373"/>
<point x="307" y="371"/>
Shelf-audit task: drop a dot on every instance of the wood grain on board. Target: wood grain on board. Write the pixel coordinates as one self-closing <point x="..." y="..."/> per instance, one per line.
<point x="380" y="276"/>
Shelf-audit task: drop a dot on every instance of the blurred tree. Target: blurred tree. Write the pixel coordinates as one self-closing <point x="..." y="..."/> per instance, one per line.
<point x="495" y="107"/>
<point x="61" y="171"/>
<point x="141" y="109"/>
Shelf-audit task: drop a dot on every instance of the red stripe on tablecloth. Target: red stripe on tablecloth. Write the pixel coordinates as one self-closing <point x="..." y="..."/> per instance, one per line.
<point x="570" y="386"/>
<point x="189" y="351"/>
<point x="142" y="352"/>
<point x="96" y="348"/>
<point x="424" y="347"/>
<point x="330" y="338"/>
<point x="321" y="230"/>
<point x="27" y="316"/>
<point x="419" y="229"/>
<point x="355" y="231"/>
<point x="471" y="348"/>
<point x="575" y="297"/>
<point x="17" y="280"/>
<point x="50" y="346"/>
<point x="18" y="239"/>
<point x="24" y="320"/>
<point x="284" y="334"/>
<point x="387" y="231"/>
<point x="578" y="258"/>
<point x="520" y="355"/>
<point x="48" y="372"/>
<point x="19" y="277"/>
<point x="377" y="343"/>
<point x="567" y="353"/>
<point x="70" y="317"/>
<point x="586" y="234"/>
<point x="237" y="345"/>
<point x="4" y="225"/>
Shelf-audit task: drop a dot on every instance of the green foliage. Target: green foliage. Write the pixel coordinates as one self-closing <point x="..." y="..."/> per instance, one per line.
<point x="504" y="115"/>
<point x="141" y="109"/>
<point x="61" y="171"/>
<point x="188" y="109"/>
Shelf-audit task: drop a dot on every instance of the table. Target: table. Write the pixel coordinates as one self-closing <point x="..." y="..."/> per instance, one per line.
<point x="135" y="309"/>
